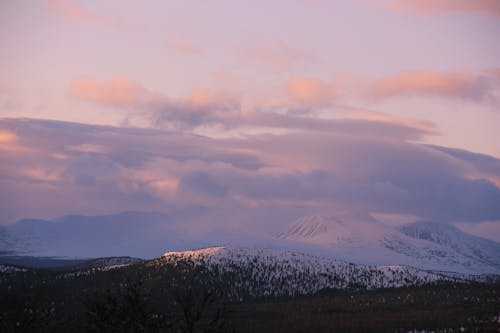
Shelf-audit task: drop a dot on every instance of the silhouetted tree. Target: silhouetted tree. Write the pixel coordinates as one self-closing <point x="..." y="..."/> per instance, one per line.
<point x="200" y="297"/>
<point x="194" y="296"/>
<point x="124" y="309"/>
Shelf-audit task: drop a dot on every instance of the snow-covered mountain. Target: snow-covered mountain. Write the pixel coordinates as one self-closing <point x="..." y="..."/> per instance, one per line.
<point x="270" y="272"/>
<point x="242" y="273"/>
<point x="343" y="228"/>
<point x="360" y="238"/>
<point x="352" y="236"/>
<point x="477" y="249"/>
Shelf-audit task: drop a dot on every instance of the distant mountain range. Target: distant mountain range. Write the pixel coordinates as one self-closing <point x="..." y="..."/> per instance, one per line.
<point x="360" y="238"/>
<point x="140" y="234"/>
<point x="347" y="237"/>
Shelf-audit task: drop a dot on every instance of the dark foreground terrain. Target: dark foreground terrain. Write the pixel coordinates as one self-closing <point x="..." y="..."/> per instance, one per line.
<point x="183" y="297"/>
<point x="438" y="308"/>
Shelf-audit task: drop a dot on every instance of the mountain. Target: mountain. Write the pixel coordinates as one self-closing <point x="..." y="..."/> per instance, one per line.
<point x="270" y="272"/>
<point x="247" y="286"/>
<point x="139" y="234"/>
<point x="242" y="273"/>
<point x="360" y="238"/>
<point x="477" y="249"/>
<point x="343" y="228"/>
<point x="350" y="236"/>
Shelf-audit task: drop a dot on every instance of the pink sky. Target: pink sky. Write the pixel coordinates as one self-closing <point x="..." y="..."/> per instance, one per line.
<point x="391" y="76"/>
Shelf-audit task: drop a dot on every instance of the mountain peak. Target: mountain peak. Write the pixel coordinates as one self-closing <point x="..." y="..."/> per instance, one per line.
<point x="444" y="234"/>
<point x="307" y="227"/>
<point x="329" y="228"/>
<point x="436" y="232"/>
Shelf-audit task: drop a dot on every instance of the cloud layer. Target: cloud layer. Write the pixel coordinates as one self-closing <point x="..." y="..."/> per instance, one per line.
<point x="204" y="108"/>
<point x="478" y="87"/>
<point x="53" y="168"/>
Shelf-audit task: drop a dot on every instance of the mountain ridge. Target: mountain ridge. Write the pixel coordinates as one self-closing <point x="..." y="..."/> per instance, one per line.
<point x="350" y="236"/>
<point x="360" y="238"/>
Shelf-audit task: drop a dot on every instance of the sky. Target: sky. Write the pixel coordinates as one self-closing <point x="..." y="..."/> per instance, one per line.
<point x="277" y="107"/>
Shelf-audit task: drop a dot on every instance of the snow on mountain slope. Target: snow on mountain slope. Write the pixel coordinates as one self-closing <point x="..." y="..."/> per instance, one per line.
<point x="264" y="272"/>
<point x="245" y="273"/>
<point x="360" y="238"/>
<point x="351" y="236"/>
<point x="8" y="269"/>
<point x="473" y="247"/>
<point x="341" y="228"/>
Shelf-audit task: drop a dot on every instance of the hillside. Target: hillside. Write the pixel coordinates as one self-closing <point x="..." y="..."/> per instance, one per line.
<point x="250" y="289"/>
<point x="360" y="238"/>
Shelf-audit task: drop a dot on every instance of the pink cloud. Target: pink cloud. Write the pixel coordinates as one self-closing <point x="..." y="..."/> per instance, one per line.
<point x="74" y="12"/>
<point x="120" y="91"/>
<point x="41" y="174"/>
<point x="315" y="92"/>
<point x="490" y="7"/>
<point x="117" y="91"/>
<point x="455" y="84"/>
<point x="310" y="91"/>
<point x="204" y="98"/>
<point x="7" y="137"/>
<point x="10" y="142"/>
<point x="203" y="107"/>
<point x="473" y="86"/>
